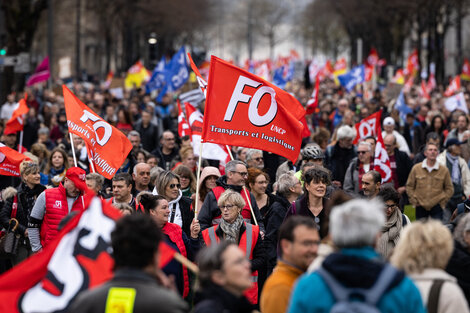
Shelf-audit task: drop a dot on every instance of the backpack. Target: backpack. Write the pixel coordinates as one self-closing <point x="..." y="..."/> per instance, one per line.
<point x="355" y="300"/>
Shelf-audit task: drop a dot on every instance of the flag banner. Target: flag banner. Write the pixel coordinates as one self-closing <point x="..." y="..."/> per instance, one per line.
<point x="353" y="77"/>
<point x="399" y="77"/>
<point x="244" y="110"/>
<point x="195" y="97"/>
<point x="412" y="65"/>
<point x="183" y="126"/>
<point x="107" y="145"/>
<point x="312" y="103"/>
<point x="306" y="132"/>
<point x="402" y="107"/>
<point x="432" y="84"/>
<point x="10" y="161"/>
<point x="211" y="151"/>
<point x="373" y="57"/>
<point x="176" y="74"/>
<point x="201" y="81"/>
<point x="109" y="79"/>
<point x="41" y="73"/>
<point x="369" y="126"/>
<point x="157" y="80"/>
<point x="424" y="91"/>
<point x="456" y="102"/>
<point x="136" y="76"/>
<point x="16" y="122"/>
<point x="369" y="72"/>
<point x="465" y="70"/>
<point x="381" y="160"/>
<point x="453" y="87"/>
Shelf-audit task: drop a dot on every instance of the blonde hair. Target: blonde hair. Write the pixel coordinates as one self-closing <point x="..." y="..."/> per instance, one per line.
<point x="231" y="196"/>
<point x="423" y="244"/>
<point x="28" y="167"/>
<point x="185" y="151"/>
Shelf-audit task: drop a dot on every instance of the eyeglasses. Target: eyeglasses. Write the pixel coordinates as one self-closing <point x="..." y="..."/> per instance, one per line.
<point x="361" y="152"/>
<point x="241" y="173"/>
<point x="226" y="207"/>
<point x="391" y="206"/>
<point x="175" y="185"/>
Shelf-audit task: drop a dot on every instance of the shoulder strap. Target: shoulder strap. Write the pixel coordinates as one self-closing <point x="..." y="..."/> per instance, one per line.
<point x="14" y="206"/>
<point x="374" y="294"/>
<point x="340" y="293"/>
<point x="460" y="208"/>
<point x="434" y="292"/>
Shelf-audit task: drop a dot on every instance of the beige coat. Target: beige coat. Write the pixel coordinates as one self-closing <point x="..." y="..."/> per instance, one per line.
<point x="451" y="297"/>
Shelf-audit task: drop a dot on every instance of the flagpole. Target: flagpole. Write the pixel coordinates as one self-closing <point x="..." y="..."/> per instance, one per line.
<point x="92" y="165"/>
<point x="247" y="194"/>
<point x="198" y="175"/>
<point x="73" y="150"/>
<point x="20" y="148"/>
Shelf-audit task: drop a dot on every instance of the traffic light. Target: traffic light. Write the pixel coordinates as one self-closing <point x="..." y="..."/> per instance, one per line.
<point x="3" y="51"/>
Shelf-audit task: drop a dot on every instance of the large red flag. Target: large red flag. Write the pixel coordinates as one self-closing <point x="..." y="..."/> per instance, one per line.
<point x="424" y="91"/>
<point x="16" y="122"/>
<point x="202" y="83"/>
<point x="381" y="160"/>
<point x="183" y="126"/>
<point x="107" y="146"/>
<point x="245" y="110"/>
<point x="10" y="161"/>
<point x="369" y="126"/>
<point x="453" y="87"/>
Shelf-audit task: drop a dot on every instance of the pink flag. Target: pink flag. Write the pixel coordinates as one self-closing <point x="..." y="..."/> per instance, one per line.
<point x="40" y="74"/>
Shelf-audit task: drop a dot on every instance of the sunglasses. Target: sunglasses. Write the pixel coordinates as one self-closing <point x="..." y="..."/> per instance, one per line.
<point x="258" y="159"/>
<point x="175" y="185"/>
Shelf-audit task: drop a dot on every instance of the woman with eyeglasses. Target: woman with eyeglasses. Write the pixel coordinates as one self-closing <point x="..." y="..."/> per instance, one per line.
<point x="169" y="186"/>
<point x="23" y="200"/>
<point x="234" y="229"/>
<point x="187" y="245"/>
<point x="313" y="201"/>
<point x="394" y="223"/>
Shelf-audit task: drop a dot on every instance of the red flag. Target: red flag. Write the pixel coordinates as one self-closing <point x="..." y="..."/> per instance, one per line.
<point x="41" y="73"/>
<point x="183" y="126"/>
<point x="78" y="259"/>
<point x="369" y="71"/>
<point x="312" y="103"/>
<point x="424" y="91"/>
<point x="306" y="131"/>
<point x="109" y="79"/>
<point x="373" y="57"/>
<point x="10" y="161"/>
<point x="412" y="65"/>
<point x="453" y="87"/>
<point x="431" y="83"/>
<point x="465" y="70"/>
<point x="408" y="84"/>
<point x="381" y="160"/>
<point x="166" y="254"/>
<point x="16" y="122"/>
<point x="107" y="146"/>
<point x="369" y="126"/>
<point x="244" y="110"/>
<point x="202" y="83"/>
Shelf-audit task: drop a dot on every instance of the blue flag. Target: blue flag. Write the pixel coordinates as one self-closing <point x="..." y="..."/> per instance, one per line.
<point x="278" y="78"/>
<point x="157" y="80"/>
<point x="176" y="75"/>
<point x="353" y="77"/>
<point x="401" y="106"/>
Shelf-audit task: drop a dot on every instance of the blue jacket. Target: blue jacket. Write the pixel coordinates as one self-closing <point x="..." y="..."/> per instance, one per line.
<point x="354" y="268"/>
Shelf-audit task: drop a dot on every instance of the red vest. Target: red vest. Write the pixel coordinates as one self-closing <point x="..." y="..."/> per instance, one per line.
<point x="246" y="212"/>
<point x="176" y="236"/>
<point x="247" y="243"/>
<point x="56" y="210"/>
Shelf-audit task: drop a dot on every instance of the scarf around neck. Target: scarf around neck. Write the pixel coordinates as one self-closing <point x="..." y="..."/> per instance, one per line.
<point x="454" y="160"/>
<point x="390" y="234"/>
<point x="232" y="231"/>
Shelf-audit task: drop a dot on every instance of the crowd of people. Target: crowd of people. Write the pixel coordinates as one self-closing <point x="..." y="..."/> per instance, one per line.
<point x="266" y="233"/>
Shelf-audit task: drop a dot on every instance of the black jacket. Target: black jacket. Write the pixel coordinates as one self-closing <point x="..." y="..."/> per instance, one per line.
<point x="404" y="165"/>
<point x="149" y="135"/>
<point x="186" y="214"/>
<point x="215" y="299"/>
<point x="26" y="199"/>
<point x="338" y="159"/>
<point x="149" y="296"/>
<point x="210" y="208"/>
<point x="458" y="266"/>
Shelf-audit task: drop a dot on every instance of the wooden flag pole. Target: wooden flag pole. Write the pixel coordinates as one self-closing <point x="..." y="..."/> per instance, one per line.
<point x="198" y="176"/>
<point x="183" y="260"/>
<point x="20" y="148"/>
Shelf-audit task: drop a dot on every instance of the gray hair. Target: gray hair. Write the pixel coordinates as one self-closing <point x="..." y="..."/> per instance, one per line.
<point x="463" y="226"/>
<point x="154" y="173"/>
<point x="232" y="165"/>
<point x="345" y="131"/>
<point x="43" y="130"/>
<point x="251" y="152"/>
<point x="210" y="260"/>
<point x="365" y="143"/>
<point x="97" y="178"/>
<point x="134" y="171"/>
<point x="133" y="133"/>
<point x="356" y="223"/>
<point x="285" y="183"/>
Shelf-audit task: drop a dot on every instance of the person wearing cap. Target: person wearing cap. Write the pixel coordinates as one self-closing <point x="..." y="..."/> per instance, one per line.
<point x="459" y="173"/>
<point x="340" y="155"/>
<point x="53" y="205"/>
<point x="389" y="128"/>
<point x="429" y="185"/>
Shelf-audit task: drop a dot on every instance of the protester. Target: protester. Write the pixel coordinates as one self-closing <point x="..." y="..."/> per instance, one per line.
<point x="298" y="242"/>
<point x="371" y="182"/>
<point x="169" y="186"/>
<point x="122" y="191"/>
<point x="254" y="158"/>
<point x="157" y="207"/>
<point x="354" y="227"/>
<point x="389" y="129"/>
<point x="56" y="167"/>
<point x="19" y="206"/>
<point x="52" y="205"/>
<point x="188" y="181"/>
<point x="207" y="182"/>
<point x="357" y="168"/>
<point x="141" y="177"/>
<point x="135" y="242"/>
<point x="94" y="182"/>
<point x="224" y="274"/>
<point x="167" y="150"/>
<point x="423" y="252"/>
<point x="234" y="229"/>
<point x="313" y="201"/>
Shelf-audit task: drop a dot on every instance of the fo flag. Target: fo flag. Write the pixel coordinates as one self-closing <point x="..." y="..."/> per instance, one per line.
<point x="107" y="146"/>
<point x="369" y="126"/>
<point x="245" y="110"/>
<point x="10" y="161"/>
<point x="381" y="160"/>
<point x="16" y="122"/>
